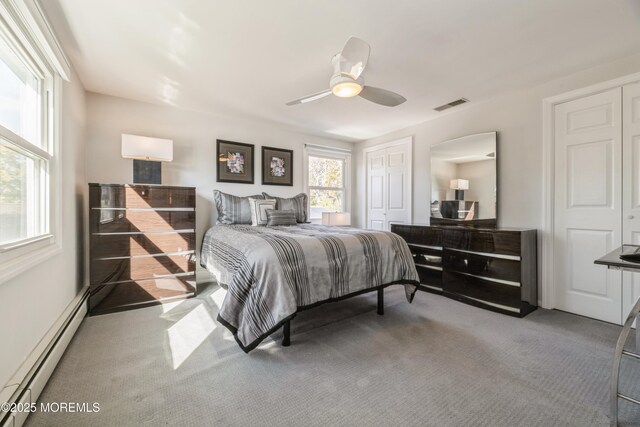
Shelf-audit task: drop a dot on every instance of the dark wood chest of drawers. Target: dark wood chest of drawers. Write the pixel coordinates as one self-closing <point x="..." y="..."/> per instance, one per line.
<point x="490" y="268"/>
<point x="142" y="245"/>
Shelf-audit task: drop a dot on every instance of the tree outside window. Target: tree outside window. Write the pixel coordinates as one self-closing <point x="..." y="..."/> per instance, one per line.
<point x="326" y="185"/>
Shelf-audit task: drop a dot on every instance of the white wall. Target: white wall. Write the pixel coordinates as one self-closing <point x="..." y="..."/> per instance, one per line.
<point x="194" y="137"/>
<point x="482" y="185"/>
<point x="442" y="172"/>
<point x="33" y="301"/>
<point x="517" y="117"/>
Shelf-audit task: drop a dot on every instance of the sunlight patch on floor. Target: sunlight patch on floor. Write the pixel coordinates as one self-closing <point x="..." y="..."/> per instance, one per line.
<point x="168" y="306"/>
<point x="186" y="335"/>
<point x="218" y="297"/>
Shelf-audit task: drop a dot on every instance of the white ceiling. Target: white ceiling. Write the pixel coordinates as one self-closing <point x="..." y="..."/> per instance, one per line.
<point x="247" y="58"/>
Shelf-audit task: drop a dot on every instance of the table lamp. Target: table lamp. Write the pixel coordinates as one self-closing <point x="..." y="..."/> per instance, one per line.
<point x="336" y="218"/>
<point x="459" y="185"/>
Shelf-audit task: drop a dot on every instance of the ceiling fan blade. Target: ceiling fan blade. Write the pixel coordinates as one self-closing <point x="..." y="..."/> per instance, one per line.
<point x="355" y="55"/>
<point x="382" y="96"/>
<point x="310" y="98"/>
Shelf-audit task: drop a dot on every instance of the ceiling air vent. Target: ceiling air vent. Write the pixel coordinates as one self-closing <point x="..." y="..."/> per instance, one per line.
<point x="452" y="104"/>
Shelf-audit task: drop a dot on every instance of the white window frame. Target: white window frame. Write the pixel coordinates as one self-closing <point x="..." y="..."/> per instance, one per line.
<point x="328" y="153"/>
<point x="23" y="25"/>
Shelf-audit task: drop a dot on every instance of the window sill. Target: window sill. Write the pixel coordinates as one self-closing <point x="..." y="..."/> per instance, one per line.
<point x="26" y="242"/>
<point x="25" y="256"/>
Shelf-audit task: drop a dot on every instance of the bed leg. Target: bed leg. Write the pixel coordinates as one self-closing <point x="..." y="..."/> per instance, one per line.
<point x="381" y="301"/>
<point x="286" y="340"/>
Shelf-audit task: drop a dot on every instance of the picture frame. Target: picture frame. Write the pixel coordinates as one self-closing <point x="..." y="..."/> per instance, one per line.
<point x="234" y="162"/>
<point x="277" y="166"/>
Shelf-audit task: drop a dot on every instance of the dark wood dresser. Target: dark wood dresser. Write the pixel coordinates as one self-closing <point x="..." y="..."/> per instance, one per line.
<point x="494" y="269"/>
<point x="142" y="245"/>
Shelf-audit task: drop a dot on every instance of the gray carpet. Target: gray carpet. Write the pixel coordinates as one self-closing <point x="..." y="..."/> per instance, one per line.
<point x="435" y="362"/>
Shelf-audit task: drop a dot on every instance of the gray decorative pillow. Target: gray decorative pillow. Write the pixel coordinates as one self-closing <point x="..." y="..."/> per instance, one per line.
<point x="286" y="217"/>
<point x="259" y="209"/>
<point x="233" y="209"/>
<point x="298" y="204"/>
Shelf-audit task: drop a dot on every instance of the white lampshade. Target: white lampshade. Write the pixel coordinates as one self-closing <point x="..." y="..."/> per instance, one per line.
<point x="336" y="218"/>
<point x="459" y="184"/>
<point x="146" y="148"/>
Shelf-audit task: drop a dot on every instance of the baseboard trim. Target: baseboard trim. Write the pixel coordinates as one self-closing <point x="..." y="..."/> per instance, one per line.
<point x="32" y="376"/>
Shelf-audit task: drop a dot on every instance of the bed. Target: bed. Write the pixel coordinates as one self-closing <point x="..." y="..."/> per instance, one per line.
<point x="271" y="273"/>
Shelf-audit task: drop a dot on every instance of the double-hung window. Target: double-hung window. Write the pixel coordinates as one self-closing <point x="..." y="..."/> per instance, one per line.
<point x="327" y="181"/>
<point x="27" y="161"/>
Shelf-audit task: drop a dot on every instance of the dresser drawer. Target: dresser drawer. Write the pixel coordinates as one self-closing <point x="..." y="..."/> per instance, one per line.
<point x="493" y="242"/>
<point x="420" y="235"/>
<point x="138" y="268"/>
<point x="123" y="296"/>
<point x="127" y="221"/>
<point x="119" y="245"/>
<point x="482" y="266"/>
<point x="141" y="196"/>
<point x="482" y="290"/>
<point x="426" y="255"/>
<point x="154" y="197"/>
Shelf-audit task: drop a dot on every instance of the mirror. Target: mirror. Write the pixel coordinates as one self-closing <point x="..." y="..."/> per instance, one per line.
<point x="464" y="181"/>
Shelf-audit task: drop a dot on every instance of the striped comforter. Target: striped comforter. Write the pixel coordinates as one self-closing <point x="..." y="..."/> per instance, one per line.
<point x="270" y="272"/>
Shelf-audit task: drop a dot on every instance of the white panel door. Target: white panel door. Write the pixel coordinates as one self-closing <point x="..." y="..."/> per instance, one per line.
<point x="389" y="186"/>
<point x="398" y="185"/>
<point x="631" y="187"/>
<point x="588" y="204"/>
<point x="377" y="189"/>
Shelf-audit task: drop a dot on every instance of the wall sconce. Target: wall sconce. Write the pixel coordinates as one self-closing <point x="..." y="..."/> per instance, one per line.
<point x="147" y="154"/>
<point x="459" y="185"/>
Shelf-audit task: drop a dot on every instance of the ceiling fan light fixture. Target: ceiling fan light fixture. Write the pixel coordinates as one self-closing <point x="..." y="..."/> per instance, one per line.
<point x="346" y="89"/>
<point x="347" y="80"/>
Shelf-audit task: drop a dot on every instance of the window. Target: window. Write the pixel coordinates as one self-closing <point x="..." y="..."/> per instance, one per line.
<point x="327" y="182"/>
<point x="24" y="159"/>
<point x="32" y="67"/>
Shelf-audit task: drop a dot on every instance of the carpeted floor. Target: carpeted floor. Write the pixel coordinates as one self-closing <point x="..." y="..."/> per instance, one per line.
<point x="435" y="362"/>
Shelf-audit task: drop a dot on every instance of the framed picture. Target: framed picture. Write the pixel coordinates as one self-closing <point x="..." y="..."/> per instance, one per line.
<point x="277" y="166"/>
<point x="235" y="162"/>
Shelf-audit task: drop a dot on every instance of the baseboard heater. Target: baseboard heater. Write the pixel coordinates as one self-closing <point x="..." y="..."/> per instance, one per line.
<point x="26" y="385"/>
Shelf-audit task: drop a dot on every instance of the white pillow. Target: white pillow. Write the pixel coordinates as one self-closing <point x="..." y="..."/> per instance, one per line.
<point x="259" y="210"/>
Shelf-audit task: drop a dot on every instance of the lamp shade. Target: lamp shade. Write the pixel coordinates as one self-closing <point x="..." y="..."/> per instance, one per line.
<point x="146" y="148"/>
<point x="336" y="218"/>
<point x="459" y="184"/>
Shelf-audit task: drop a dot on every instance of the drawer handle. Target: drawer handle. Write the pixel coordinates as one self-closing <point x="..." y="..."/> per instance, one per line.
<point x="428" y="258"/>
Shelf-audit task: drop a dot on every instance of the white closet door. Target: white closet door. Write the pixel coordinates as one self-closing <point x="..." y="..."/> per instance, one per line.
<point x="389" y="186"/>
<point x="588" y="204"/>
<point x="631" y="187"/>
<point x="377" y="189"/>
<point x="398" y="185"/>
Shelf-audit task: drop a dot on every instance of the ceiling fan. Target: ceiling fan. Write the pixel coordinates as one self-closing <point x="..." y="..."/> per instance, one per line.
<point x="347" y="80"/>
